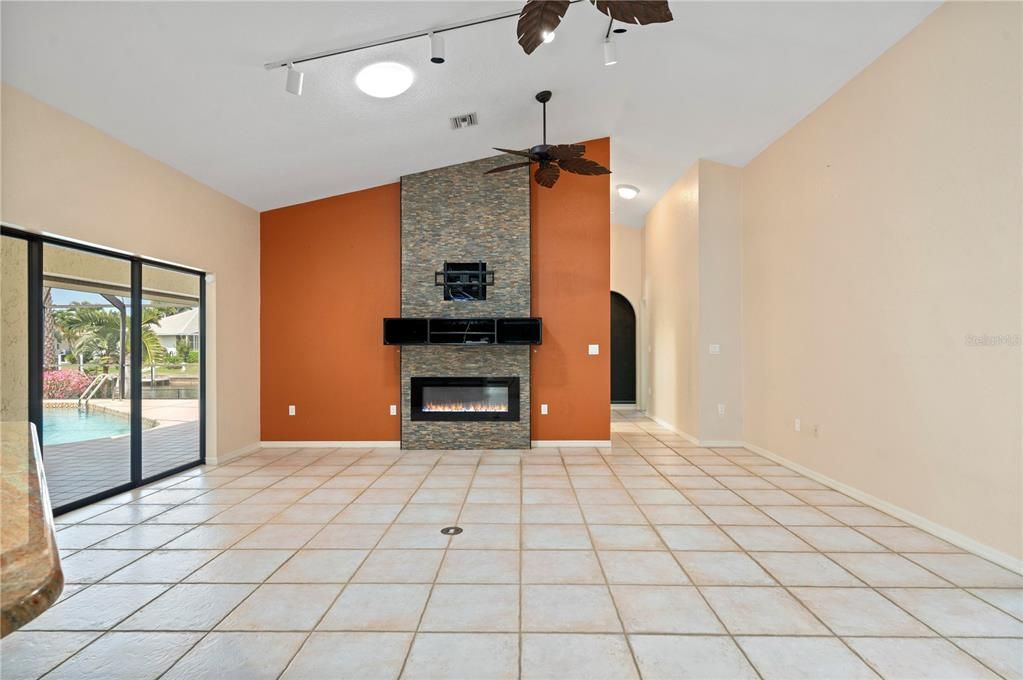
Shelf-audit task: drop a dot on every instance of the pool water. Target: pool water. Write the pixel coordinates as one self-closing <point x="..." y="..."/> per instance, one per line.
<point x="63" y="425"/>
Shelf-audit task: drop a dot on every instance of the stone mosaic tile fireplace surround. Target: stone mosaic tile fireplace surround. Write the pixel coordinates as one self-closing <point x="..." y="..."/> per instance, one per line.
<point x="458" y="214"/>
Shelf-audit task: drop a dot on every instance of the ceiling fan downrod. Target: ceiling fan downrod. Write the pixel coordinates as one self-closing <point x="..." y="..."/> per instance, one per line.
<point x="543" y="97"/>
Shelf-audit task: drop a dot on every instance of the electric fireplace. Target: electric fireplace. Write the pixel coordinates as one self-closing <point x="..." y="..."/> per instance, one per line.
<point x="464" y="399"/>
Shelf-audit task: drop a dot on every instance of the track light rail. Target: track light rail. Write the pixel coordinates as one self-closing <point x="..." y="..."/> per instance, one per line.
<point x="284" y="63"/>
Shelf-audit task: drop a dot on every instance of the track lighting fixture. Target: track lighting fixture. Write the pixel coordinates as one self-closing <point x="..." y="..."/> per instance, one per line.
<point x="436" y="48"/>
<point x="294" y="83"/>
<point x="610" y="52"/>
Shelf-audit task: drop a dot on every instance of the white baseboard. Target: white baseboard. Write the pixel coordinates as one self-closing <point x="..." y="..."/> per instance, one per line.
<point x="220" y="459"/>
<point x="624" y="407"/>
<point x="668" y="426"/>
<point x="570" y="443"/>
<point x="954" y="537"/>
<point x="385" y="444"/>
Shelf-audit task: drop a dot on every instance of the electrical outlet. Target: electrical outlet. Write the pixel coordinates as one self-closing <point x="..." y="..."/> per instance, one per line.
<point x="291" y="409"/>
<point x="594" y="349"/>
<point x="394" y="409"/>
<point x="797" y="425"/>
<point x="721" y="409"/>
<point x="543" y="409"/>
<point x="715" y="349"/>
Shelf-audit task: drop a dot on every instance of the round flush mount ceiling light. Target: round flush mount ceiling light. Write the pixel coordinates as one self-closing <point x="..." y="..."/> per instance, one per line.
<point x="627" y="191"/>
<point x="384" y="79"/>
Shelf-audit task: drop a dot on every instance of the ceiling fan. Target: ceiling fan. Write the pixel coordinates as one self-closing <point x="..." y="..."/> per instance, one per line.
<point x="552" y="158"/>
<point x="539" y="18"/>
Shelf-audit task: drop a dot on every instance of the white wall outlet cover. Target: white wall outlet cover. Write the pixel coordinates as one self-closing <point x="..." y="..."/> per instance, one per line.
<point x="394" y="409"/>
<point x="721" y="409"/>
<point x="715" y="349"/>
<point x="594" y="349"/>
<point x="543" y="409"/>
<point x="797" y="425"/>
<point x="291" y="409"/>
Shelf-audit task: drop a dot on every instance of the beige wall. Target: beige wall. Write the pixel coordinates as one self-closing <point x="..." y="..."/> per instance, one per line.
<point x="692" y="283"/>
<point x="879" y="235"/>
<point x="720" y="302"/>
<point x="670" y="318"/>
<point x="627" y="279"/>
<point x="66" y="178"/>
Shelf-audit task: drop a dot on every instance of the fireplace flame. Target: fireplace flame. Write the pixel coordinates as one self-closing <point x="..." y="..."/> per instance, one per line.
<point x="464" y="407"/>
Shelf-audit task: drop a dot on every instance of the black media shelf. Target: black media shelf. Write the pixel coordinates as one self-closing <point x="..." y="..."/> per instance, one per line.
<point x="470" y="331"/>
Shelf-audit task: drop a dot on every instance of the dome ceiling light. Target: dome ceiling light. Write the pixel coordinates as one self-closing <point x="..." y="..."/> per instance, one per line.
<point x="384" y="79"/>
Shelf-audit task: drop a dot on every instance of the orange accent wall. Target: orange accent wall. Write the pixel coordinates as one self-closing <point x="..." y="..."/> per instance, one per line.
<point x="571" y="286"/>
<point x="330" y="272"/>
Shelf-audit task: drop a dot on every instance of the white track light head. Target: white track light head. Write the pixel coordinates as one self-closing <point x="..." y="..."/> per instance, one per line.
<point x="295" y="80"/>
<point x="436" y="48"/>
<point x="610" y="53"/>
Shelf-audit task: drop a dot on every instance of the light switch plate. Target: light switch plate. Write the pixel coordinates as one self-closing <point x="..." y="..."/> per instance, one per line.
<point x="594" y="349"/>
<point x="291" y="409"/>
<point x="394" y="409"/>
<point x="715" y="349"/>
<point x="543" y="409"/>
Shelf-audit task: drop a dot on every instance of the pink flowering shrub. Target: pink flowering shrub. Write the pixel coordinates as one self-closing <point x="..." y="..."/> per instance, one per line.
<point x="64" y="384"/>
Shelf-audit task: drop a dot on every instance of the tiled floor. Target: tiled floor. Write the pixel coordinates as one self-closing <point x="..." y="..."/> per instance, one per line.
<point x="652" y="558"/>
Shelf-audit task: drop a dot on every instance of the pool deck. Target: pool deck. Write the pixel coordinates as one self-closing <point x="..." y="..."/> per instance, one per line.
<point x="77" y="470"/>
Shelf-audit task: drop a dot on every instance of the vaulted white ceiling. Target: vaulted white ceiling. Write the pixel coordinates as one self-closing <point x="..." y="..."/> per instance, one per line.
<point x="184" y="83"/>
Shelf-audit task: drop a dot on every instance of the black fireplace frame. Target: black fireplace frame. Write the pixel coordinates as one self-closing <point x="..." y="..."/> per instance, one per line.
<point x="417" y="413"/>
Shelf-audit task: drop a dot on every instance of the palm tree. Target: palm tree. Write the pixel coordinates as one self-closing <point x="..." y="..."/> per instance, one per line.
<point x="98" y="331"/>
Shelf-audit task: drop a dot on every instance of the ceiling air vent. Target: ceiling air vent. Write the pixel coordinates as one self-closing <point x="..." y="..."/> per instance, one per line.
<point x="463" y="121"/>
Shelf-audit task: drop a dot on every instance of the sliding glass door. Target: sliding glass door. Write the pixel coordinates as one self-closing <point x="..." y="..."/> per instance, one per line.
<point x="171" y="380"/>
<point x="104" y="353"/>
<point x="86" y="362"/>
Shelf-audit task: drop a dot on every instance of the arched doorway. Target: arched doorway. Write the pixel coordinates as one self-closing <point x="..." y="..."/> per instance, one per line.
<point x="623" y="350"/>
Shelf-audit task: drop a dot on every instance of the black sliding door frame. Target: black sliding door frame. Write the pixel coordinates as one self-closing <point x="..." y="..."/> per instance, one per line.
<point x="35" y="243"/>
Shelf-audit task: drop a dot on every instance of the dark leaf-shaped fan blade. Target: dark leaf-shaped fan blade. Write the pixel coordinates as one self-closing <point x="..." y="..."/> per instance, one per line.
<point x="636" y="11"/>
<point x="547" y="175"/>
<point x="536" y="17"/>
<point x="583" y="166"/>
<point x="507" y="167"/>
<point x="524" y="154"/>
<point x="560" y="152"/>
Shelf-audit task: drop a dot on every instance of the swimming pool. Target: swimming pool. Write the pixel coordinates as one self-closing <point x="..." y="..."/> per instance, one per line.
<point x="63" y="425"/>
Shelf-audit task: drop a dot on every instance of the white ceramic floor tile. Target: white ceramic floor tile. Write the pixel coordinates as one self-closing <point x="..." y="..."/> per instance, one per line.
<point x="126" y="656"/>
<point x="781" y="658"/>
<point x="697" y="657"/>
<point x="593" y="657"/>
<point x="480" y="656"/>
<point x="378" y="656"/>
<point x="918" y="659"/>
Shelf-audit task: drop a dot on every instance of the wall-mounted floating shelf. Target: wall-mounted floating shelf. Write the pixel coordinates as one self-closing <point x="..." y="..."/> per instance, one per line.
<point x="485" y="331"/>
